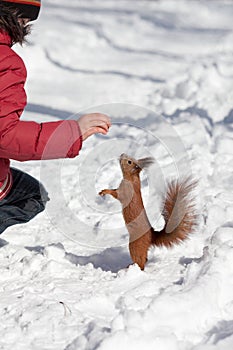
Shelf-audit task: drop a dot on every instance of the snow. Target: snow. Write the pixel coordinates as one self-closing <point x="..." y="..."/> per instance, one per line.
<point x="163" y="71"/>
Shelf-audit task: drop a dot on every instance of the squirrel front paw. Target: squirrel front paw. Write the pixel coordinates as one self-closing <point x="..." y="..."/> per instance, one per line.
<point x="103" y="192"/>
<point x="110" y="192"/>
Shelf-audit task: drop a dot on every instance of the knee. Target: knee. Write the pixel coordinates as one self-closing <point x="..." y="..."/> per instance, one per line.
<point x="44" y="197"/>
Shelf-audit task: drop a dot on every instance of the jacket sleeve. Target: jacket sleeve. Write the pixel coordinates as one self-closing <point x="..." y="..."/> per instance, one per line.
<point x="23" y="140"/>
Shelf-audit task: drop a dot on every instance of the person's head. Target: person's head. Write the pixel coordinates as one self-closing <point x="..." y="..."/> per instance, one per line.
<point x="14" y="16"/>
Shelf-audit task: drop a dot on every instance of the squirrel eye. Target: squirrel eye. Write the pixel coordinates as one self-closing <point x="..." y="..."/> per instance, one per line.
<point x="129" y="162"/>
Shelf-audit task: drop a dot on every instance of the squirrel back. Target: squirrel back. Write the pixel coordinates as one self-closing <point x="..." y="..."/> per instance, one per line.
<point x="179" y="211"/>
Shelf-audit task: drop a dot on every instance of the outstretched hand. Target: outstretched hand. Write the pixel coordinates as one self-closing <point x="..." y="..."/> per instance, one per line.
<point x="94" y="123"/>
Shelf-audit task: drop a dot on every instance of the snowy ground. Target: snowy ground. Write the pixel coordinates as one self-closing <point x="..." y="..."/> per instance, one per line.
<point x="163" y="70"/>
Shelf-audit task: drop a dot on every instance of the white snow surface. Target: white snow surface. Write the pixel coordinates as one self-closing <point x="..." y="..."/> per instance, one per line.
<point x="163" y="71"/>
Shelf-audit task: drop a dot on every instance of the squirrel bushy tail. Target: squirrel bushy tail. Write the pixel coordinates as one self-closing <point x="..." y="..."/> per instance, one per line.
<point x="179" y="213"/>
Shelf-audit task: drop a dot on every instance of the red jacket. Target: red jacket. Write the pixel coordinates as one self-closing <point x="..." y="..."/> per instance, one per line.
<point x="23" y="140"/>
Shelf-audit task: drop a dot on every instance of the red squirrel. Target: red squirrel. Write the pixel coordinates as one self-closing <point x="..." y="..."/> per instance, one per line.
<point x="179" y="211"/>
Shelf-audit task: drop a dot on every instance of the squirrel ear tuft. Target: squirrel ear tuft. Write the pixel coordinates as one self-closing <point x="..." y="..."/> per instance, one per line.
<point x="145" y="162"/>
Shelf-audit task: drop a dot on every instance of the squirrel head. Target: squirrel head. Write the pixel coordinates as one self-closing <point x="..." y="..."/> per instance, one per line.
<point x="131" y="166"/>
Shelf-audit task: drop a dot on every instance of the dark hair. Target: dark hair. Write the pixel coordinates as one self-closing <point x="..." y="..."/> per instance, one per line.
<point x="9" y="23"/>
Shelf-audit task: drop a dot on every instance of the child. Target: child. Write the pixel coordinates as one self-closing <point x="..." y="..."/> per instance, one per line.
<point x="21" y="196"/>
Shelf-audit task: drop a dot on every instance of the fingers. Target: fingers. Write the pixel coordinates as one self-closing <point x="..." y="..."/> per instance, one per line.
<point x="96" y="119"/>
<point x="105" y="118"/>
<point x="99" y="124"/>
<point x="94" y="123"/>
<point x="99" y="117"/>
<point x="93" y="131"/>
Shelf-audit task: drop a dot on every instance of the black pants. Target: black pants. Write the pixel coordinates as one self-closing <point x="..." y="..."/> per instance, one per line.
<point x="25" y="200"/>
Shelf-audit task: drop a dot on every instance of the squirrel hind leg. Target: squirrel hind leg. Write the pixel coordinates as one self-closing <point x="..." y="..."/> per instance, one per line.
<point x="138" y="253"/>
